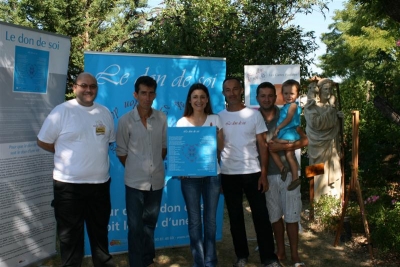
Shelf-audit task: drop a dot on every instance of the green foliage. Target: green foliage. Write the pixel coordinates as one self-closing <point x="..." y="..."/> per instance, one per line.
<point x="92" y="25"/>
<point x="362" y="51"/>
<point x="383" y="215"/>
<point x="245" y="32"/>
<point x="327" y="210"/>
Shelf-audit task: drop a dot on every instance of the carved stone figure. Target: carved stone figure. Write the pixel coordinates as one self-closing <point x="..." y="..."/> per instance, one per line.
<point x="312" y="93"/>
<point x="322" y="130"/>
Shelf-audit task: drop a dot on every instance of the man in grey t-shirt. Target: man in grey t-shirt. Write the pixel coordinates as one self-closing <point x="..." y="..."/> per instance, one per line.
<point x="280" y="201"/>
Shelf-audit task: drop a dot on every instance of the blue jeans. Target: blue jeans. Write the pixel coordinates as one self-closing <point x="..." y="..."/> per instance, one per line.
<point x="142" y="209"/>
<point x="193" y="189"/>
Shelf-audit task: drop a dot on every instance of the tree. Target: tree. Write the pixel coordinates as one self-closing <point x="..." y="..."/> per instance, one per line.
<point x="361" y="49"/>
<point x="93" y="25"/>
<point x="245" y="32"/>
<point x="390" y="7"/>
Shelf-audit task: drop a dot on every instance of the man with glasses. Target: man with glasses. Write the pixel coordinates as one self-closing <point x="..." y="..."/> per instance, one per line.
<point x="78" y="132"/>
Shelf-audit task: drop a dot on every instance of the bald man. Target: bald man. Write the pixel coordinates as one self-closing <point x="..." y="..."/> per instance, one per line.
<point x="79" y="132"/>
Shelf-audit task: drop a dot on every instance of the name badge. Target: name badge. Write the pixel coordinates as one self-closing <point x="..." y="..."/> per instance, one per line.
<point x="100" y="130"/>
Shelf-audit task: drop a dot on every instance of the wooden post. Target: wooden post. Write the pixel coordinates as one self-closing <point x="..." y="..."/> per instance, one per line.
<point x="312" y="171"/>
<point x="342" y="158"/>
<point x="311" y="215"/>
<point x="364" y="217"/>
<point x="354" y="152"/>
<point x="354" y="185"/>
<point x="339" y="227"/>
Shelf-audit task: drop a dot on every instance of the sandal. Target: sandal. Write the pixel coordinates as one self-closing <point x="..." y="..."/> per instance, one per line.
<point x="298" y="264"/>
<point x="293" y="185"/>
<point x="284" y="172"/>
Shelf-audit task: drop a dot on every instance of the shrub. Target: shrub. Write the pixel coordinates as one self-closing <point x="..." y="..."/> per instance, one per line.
<point x="383" y="214"/>
<point x="327" y="211"/>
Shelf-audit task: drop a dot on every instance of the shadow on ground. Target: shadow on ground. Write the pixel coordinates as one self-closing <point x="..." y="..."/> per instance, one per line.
<point x="315" y="248"/>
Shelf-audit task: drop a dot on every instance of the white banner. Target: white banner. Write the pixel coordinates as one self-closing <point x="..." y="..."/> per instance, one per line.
<point x="275" y="74"/>
<point x="33" y="72"/>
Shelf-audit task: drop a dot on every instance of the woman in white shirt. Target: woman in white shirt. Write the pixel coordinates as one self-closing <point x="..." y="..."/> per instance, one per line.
<point x="198" y="113"/>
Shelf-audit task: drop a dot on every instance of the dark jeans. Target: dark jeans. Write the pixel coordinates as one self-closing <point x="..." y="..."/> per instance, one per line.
<point x="74" y="205"/>
<point x="234" y="186"/>
<point x="193" y="190"/>
<point x="142" y="209"/>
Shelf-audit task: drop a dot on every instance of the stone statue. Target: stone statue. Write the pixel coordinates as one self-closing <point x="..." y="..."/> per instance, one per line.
<point x="322" y="129"/>
<point x="312" y="93"/>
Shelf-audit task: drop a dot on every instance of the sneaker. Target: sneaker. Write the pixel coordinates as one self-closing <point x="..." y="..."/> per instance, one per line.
<point x="240" y="262"/>
<point x="284" y="172"/>
<point x="273" y="264"/>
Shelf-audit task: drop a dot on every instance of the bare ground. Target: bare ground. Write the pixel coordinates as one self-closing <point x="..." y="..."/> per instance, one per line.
<point x="315" y="248"/>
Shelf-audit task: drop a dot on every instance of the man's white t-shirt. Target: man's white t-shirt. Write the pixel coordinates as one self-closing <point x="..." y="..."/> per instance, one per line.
<point x="212" y="120"/>
<point x="240" y="155"/>
<point x="81" y="137"/>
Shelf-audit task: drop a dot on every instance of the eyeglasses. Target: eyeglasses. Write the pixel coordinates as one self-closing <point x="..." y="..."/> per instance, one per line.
<point x="85" y="86"/>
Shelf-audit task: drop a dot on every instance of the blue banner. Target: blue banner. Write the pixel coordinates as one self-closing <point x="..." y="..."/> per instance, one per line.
<point x="116" y="75"/>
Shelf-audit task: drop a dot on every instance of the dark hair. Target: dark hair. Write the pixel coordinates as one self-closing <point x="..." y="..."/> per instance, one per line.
<point x="265" y="85"/>
<point x="146" y="80"/>
<point x="231" y="78"/>
<point x="291" y="83"/>
<point x="188" y="107"/>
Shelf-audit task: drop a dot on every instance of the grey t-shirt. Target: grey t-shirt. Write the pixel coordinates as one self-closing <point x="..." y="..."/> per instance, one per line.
<point x="272" y="168"/>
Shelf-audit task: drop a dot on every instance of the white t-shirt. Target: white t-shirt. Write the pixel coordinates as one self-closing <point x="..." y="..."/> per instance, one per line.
<point x="211" y="119"/>
<point x="240" y="155"/>
<point x="81" y="137"/>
